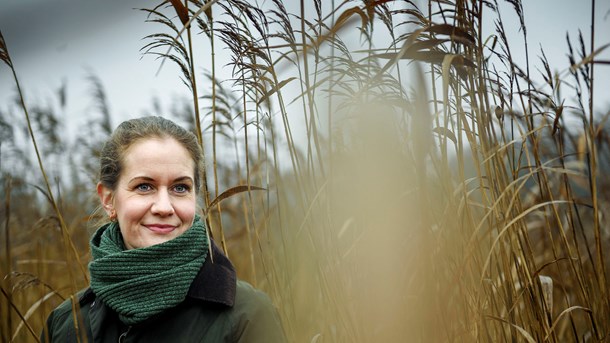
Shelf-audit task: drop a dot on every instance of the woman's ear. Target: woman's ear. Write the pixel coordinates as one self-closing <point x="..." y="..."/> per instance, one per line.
<point x="105" y="195"/>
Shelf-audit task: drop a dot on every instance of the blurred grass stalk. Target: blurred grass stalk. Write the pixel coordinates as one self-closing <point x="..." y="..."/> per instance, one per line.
<point x="458" y="207"/>
<point x="7" y="325"/>
<point x="67" y="242"/>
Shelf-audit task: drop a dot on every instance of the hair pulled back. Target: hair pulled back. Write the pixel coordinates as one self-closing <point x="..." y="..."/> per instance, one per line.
<point x="131" y="131"/>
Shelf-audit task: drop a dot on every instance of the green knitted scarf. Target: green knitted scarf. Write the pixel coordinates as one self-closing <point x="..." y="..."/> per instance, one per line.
<point x="140" y="283"/>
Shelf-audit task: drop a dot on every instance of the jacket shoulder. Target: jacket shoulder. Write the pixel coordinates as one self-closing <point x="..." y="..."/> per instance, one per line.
<point x="61" y="318"/>
<point x="255" y="318"/>
<point x="248" y="296"/>
<point x="84" y="297"/>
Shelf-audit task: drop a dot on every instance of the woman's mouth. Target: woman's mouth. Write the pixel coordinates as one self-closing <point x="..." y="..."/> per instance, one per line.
<point x="160" y="228"/>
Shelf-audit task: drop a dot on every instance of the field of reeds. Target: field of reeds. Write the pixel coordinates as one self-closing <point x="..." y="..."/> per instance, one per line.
<point x="387" y="171"/>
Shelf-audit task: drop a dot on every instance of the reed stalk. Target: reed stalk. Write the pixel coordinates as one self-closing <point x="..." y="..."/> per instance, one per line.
<point x="434" y="189"/>
<point x="8" y="263"/>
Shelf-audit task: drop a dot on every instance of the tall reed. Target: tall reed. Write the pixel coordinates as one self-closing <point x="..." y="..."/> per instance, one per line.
<point x="384" y="172"/>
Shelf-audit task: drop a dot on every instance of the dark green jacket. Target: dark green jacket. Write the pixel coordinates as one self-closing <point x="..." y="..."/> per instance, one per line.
<point x="218" y="308"/>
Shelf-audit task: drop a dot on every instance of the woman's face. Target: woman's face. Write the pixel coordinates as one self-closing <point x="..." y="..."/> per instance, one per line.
<point x="155" y="199"/>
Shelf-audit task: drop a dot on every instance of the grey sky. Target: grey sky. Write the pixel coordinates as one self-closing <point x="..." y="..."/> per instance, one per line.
<point x="55" y="40"/>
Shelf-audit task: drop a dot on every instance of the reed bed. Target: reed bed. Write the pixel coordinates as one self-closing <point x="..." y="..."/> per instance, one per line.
<point x="384" y="170"/>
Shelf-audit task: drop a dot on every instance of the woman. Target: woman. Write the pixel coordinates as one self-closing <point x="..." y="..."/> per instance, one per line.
<point x="152" y="279"/>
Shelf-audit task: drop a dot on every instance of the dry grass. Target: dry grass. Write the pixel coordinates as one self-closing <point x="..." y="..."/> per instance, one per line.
<point x="416" y="182"/>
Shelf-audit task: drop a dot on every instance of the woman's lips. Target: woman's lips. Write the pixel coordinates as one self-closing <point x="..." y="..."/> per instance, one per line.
<point x="160" y="228"/>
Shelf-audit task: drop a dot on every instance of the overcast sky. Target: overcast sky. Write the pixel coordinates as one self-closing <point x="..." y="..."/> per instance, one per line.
<point x="52" y="41"/>
<point x="55" y="41"/>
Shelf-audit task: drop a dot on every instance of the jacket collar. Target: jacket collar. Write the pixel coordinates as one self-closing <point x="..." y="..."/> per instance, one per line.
<point x="216" y="281"/>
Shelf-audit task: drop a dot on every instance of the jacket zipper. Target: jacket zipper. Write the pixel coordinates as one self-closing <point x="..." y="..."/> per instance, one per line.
<point x="124" y="334"/>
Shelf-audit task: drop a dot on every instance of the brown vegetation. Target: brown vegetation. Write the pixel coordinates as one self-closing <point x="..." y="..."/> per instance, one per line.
<point x="405" y="179"/>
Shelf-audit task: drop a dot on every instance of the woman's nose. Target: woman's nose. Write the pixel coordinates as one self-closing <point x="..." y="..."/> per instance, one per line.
<point x="162" y="204"/>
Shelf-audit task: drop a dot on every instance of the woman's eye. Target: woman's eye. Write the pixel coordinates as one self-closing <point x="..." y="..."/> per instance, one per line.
<point x="181" y="188"/>
<point x="144" y="187"/>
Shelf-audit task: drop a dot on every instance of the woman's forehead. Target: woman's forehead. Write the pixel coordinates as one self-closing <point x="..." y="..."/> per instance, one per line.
<point x="158" y="156"/>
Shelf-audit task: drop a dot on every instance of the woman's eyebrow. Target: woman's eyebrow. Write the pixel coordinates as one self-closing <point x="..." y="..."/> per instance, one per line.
<point x="141" y="178"/>
<point x="150" y="179"/>
<point x="184" y="178"/>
